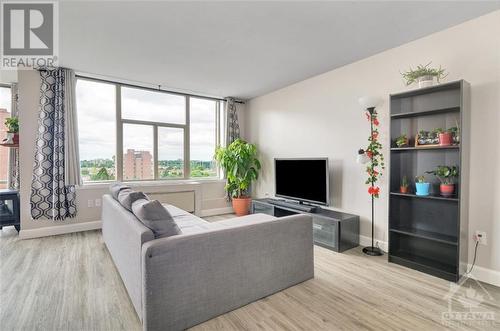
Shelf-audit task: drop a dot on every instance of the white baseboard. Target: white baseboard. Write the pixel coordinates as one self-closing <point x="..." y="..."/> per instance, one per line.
<point x="61" y="229"/>
<point x="216" y="211"/>
<point x="367" y="241"/>
<point x="485" y="275"/>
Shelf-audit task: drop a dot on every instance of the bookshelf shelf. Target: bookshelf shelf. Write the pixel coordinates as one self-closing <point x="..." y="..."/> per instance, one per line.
<point x="437" y="148"/>
<point x="435" y="197"/>
<point x="425" y="112"/>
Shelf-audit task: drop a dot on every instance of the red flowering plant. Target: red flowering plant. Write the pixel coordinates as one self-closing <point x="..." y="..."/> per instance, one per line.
<point x="374" y="153"/>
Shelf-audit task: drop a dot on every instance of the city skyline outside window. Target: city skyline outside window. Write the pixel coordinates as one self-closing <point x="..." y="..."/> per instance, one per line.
<point x="5" y="111"/>
<point x="149" y="122"/>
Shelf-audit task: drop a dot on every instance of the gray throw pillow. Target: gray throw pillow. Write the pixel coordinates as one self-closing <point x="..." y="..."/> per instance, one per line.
<point x="154" y="216"/>
<point x="116" y="188"/>
<point x="126" y="197"/>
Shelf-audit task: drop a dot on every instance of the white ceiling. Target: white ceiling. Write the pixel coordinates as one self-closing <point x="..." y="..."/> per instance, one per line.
<point x="241" y="49"/>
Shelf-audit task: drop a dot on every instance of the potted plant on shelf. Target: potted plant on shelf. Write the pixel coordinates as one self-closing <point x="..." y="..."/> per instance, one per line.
<point x="241" y="166"/>
<point x="12" y="124"/>
<point x="421" y="186"/>
<point x="422" y="137"/>
<point x="434" y="136"/>
<point x="455" y="134"/>
<point x="445" y="137"/>
<point x="404" y="185"/>
<point x="424" y="75"/>
<point x="402" y="141"/>
<point x="446" y="175"/>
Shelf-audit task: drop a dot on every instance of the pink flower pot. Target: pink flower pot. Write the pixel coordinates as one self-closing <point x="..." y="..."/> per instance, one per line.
<point x="445" y="139"/>
<point x="447" y="189"/>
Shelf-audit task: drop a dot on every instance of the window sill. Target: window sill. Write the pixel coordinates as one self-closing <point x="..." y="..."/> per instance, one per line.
<point x="147" y="183"/>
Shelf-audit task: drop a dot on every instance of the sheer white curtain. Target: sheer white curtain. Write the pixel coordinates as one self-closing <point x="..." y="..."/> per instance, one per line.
<point x="72" y="155"/>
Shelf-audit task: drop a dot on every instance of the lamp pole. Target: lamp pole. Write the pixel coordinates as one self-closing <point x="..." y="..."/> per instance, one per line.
<point x="372" y="250"/>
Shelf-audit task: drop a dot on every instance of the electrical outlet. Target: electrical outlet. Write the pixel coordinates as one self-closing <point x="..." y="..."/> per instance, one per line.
<point x="90" y="203"/>
<point x="481" y="237"/>
<point x="98" y="202"/>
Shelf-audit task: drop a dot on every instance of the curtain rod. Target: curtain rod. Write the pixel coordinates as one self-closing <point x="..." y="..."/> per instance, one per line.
<point x="152" y="88"/>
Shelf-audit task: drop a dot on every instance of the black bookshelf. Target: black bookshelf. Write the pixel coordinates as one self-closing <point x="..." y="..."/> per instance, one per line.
<point x="429" y="233"/>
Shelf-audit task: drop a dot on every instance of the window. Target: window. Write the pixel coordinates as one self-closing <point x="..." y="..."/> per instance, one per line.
<point x="203" y="137"/>
<point x="96" y="108"/>
<point x="170" y="153"/>
<point x="133" y="133"/>
<point x="5" y="104"/>
<point x="145" y="105"/>
<point x="138" y="152"/>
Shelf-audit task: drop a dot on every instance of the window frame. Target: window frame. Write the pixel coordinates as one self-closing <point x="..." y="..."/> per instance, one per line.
<point x="7" y="159"/>
<point x="120" y="122"/>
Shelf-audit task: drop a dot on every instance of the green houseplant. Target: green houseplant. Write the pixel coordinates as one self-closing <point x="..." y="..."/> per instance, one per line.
<point x="402" y="141"/>
<point x="445" y="137"/>
<point x="446" y="176"/>
<point x="241" y="166"/>
<point x="422" y="187"/>
<point x="424" y="75"/>
<point x="404" y="185"/>
<point x="455" y="134"/>
<point x="12" y="124"/>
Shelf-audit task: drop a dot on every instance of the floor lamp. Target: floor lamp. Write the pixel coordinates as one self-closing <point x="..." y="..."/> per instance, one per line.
<point x="372" y="156"/>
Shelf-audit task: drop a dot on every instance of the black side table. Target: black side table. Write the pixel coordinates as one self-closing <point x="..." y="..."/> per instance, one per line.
<point x="9" y="209"/>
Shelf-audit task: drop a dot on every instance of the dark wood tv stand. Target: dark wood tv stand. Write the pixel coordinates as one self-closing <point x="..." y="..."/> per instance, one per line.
<point x="331" y="229"/>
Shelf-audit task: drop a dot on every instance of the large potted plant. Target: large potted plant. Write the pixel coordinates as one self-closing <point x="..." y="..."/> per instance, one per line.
<point x="423" y="75"/>
<point x="241" y="166"/>
<point x="446" y="175"/>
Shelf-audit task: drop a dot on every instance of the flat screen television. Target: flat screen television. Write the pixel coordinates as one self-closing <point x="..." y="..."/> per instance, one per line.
<point x="304" y="180"/>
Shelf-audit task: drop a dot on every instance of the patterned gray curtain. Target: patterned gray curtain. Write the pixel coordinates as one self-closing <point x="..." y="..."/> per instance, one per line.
<point x="50" y="197"/>
<point x="233" y="127"/>
<point x="13" y="177"/>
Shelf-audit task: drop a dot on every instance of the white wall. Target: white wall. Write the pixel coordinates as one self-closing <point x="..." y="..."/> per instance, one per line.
<point x="211" y="193"/>
<point x="320" y="116"/>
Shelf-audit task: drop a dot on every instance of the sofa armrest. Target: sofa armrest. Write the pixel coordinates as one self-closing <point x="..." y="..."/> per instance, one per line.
<point x="124" y="236"/>
<point x="188" y="279"/>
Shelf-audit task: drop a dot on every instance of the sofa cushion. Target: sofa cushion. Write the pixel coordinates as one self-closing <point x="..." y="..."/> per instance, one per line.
<point x="126" y="197"/>
<point x="153" y="215"/>
<point x="116" y="188"/>
<point x="187" y="222"/>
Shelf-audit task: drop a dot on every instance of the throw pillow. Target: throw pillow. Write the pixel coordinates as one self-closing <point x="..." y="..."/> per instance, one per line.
<point x="116" y="188"/>
<point x="154" y="216"/>
<point x="126" y="197"/>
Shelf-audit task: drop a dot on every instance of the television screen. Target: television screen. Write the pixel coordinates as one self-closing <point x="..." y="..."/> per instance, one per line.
<point x="302" y="179"/>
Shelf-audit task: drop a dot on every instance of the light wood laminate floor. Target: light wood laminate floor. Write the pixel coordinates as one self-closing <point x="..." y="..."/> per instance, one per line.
<point x="69" y="282"/>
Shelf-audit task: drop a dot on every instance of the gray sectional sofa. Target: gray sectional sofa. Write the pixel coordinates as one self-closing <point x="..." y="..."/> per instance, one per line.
<point x="210" y="268"/>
